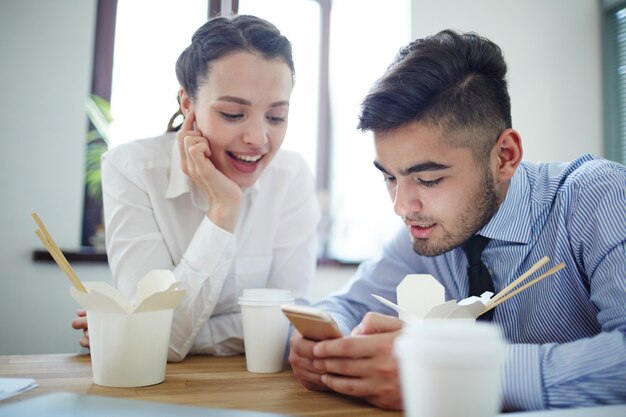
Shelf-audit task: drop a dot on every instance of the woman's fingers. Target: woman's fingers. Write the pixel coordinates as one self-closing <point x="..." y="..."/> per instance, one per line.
<point x="197" y="149"/>
<point x="81" y="324"/>
<point x="84" y="341"/>
<point x="187" y="129"/>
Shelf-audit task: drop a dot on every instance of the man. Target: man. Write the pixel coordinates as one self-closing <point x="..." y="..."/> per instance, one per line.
<point x="441" y="118"/>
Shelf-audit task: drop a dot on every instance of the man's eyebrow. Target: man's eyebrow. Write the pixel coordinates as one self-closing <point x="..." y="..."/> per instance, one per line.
<point x="380" y="168"/>
<point x="245" y="102"/>
<point x="424" y="166"/>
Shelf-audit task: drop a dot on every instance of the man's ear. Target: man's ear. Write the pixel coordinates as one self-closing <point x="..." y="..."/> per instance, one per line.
<point x="508" y="154"/>
<point x="184" y="101"/>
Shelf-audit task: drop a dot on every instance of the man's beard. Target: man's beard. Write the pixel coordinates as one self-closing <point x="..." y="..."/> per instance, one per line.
<point x="478" y="211"/>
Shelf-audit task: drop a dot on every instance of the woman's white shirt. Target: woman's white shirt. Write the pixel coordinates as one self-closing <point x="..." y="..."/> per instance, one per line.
<point x="155" y="218"/>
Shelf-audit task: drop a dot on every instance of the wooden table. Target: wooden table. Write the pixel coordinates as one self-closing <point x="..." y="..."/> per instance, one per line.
<point x="221" y="382"/>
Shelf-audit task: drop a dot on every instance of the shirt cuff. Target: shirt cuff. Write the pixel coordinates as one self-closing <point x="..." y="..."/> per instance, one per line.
<point x="344" y="323"/>
<point x="522" y="385"/>
<point x="209" y="247"/>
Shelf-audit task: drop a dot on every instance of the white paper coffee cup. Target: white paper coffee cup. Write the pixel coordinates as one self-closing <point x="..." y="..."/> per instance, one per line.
<point x="265" y="328"/>
<point x="450" y="368"/>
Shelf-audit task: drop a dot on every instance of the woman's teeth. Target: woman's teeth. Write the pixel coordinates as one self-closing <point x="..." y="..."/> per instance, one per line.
<point x="246" y="158"/>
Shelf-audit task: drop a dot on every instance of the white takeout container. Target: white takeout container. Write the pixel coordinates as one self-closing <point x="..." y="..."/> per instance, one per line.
<point x="421" y="296"/>
<point x="129" y="343"/>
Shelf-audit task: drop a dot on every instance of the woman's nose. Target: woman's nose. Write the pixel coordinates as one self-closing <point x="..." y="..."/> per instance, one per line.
<point x="256" y="133"/>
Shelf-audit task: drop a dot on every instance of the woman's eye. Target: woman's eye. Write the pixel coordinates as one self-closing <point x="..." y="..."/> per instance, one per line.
<point x="276" y="119"/>
<point x="432" y="183"/>
<point x="231" y="116"/>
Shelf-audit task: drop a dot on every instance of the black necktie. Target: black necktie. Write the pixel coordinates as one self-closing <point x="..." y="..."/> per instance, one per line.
<point x="478" y="274"/>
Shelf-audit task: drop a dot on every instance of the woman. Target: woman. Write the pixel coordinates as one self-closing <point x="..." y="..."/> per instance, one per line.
<point x="206" y="202"/>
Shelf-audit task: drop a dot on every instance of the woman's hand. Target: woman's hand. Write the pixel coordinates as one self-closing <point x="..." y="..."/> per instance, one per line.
<point x="81" y="324"/>
<point x="223" y="194"/>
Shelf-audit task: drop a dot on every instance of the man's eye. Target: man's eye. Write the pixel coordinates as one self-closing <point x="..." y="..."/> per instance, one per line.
<point x="231" y="116"/>
<point x="389" y="179"/>
<point x="432" y="183"/>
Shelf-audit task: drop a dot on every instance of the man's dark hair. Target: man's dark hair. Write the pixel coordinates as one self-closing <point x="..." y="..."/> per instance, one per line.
<point x="453" y="81"/>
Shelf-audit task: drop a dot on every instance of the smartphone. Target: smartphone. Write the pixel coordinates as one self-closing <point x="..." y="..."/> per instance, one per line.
<point x="311" y="322"/>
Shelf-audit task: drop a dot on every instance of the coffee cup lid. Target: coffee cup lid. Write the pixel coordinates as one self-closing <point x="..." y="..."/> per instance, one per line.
<point x="265" y="296"/>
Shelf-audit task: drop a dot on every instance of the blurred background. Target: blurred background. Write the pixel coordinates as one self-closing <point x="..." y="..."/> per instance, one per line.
<point x="565" y="75"/>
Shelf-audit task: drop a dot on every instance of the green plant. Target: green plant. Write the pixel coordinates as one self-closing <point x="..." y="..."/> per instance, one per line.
<point x="99" y="114"/>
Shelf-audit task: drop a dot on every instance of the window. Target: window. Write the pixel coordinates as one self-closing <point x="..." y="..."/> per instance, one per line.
<point x="620" y="17"/>
<point x="615" y="79"/>
<point x="361" y="213"/>
<point x="338" y="54"/>
<point x="144" y="84"/>
<point x="358" y="214"/>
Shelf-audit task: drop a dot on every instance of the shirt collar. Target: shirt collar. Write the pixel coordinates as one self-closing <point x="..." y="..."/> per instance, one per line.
<point x="513" y="220"/>
<point x="179" y="183"/>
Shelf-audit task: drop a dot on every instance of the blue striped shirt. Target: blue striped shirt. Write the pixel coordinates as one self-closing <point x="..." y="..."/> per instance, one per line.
<point x="567" y="333"/>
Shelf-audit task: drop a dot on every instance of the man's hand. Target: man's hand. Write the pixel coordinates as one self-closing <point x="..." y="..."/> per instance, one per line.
<point x="81" y="324"/>
<point x="361" y="365"/>
<point x="301" y="359"/>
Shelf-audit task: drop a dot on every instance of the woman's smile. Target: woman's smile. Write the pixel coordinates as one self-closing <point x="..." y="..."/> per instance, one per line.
<point x="245" y="163"/>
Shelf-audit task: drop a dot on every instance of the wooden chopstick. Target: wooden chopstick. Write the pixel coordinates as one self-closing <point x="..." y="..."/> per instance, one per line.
<point x="523" y="287"/>
<point x="512" y="285"/>
<point x="56" y="254"/>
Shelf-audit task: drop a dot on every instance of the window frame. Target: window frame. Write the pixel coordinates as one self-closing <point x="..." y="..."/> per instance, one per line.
<point x="101" y="79"/>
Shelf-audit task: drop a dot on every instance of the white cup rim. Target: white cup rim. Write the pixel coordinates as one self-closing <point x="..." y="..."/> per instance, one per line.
<point x="265" y="296"/>
<point x="255" y="302"/>
<point x="479" y="342"/>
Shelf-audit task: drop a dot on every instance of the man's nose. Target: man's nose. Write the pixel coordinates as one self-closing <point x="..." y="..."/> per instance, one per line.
<point x="406" y="199"/>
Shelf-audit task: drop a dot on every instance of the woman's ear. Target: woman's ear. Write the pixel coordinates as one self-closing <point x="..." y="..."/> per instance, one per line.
<point x="508" y="153"/>
<point x="184" y="101"/>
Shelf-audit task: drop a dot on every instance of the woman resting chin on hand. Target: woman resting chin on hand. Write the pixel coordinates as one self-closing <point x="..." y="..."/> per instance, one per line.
<point x="215" y="200"/>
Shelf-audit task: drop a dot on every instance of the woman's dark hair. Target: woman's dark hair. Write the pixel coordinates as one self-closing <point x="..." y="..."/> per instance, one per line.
<point x="454" y="81"/>
<point x="224" y="35"/>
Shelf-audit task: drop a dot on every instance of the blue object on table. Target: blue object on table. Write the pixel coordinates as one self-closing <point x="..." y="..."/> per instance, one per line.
<point x="65" y="404"/>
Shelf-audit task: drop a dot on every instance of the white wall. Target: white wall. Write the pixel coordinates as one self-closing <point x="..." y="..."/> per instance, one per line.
<point x="553" y="50"/>
<point x="45" y="76"/>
